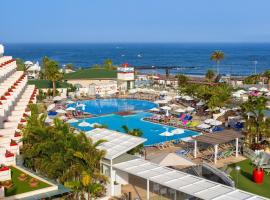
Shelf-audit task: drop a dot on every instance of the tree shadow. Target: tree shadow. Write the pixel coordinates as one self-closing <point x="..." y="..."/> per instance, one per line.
<point x="247" y="175"/>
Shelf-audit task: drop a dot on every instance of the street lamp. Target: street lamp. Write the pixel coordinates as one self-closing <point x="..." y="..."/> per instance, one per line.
<point x="237" y="168"/>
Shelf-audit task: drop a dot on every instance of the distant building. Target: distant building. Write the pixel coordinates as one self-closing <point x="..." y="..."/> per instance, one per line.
<point x="125" y="77"/>
<point x="32" y="70"/>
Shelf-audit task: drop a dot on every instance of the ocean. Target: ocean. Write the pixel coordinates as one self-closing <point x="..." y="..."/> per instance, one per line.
<point x="239" y="58"/>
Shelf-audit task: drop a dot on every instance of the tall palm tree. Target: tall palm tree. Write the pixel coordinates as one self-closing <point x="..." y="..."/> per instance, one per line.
<point x="217" y="56"/>
<point x="51" y="72"/>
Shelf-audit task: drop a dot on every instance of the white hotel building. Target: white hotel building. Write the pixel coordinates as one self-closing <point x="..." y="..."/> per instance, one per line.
<point x="15" y="96"/>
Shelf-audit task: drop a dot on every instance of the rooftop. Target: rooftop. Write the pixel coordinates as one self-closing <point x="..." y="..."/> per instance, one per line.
<point x="117" y="143"/>
<point x="183" y="182"/>
<point x="91" y="74"/>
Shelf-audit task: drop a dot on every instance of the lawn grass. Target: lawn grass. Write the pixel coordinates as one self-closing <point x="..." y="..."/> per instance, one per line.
<point x="245" y="179"/>
<point x="40" y="84"/>
<point x="93" y="73"/>
<point x="22" y="186"/>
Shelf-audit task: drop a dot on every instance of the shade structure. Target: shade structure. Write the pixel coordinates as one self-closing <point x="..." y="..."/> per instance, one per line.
<point x="264" y="90"/>
<point x="171" y="159"/>
<point x="178" y="131"/>
<point x="61" y="111"/>
<point x="166" y="134"/>
<point x="215" y="123"/>
<point x="252" y="89"/>
<point x="188" y="98"/>
<point x="57" y="98"/>
<point x="166" y="108"/>
<point x="161" y="101"/>
<point x="154" y="109"/>
<point x="200" y="103"/>
<point x="73" y="120"/>
<point x="208" y="121"/>
<point x="203" y="126"/>
<point x="71" y="109"/>
<point x="180" y="110"/>
<point x="164" y="92"/>
<point x="70" y="101"/>
<point x="84" y="124"/>
<point x="190" y="109"/>
<point x="63" y="117"/>
<point x="51" y="106"/>
<point x="241" y="91"/>
<point x="80" y="105"/>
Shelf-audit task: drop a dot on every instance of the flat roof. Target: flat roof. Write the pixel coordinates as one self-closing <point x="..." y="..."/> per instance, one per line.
<point x="117" y="143"/>
<point x="183" y="182"/>
<point x="218" y="138"/>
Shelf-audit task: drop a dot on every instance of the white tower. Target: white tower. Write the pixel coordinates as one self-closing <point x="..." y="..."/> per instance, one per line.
<point x="2" y="50"/>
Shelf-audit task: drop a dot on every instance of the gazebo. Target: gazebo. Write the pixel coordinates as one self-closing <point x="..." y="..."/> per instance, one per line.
<point x="217" y="138"/>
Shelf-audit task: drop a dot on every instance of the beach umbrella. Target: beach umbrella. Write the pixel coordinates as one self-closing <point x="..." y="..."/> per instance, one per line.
<point x="63" y="117"/>
<point x="188" y="98"/>
<point x="51" y="106"/>
<point x="73" y="120"/>
<point x="61" y="111"/>
<point x="187" y="139"/>
<point x="57" y="98"/>
<point x="216" y="123"/>
<point x="253" y="89"/>
<point x="71" y="109"/>
<point x="161" y="102"/>
<point x="154" y="109"/>
<point x="200" y="103"/>
<point x="180" y="110"/>
<point x="190" y="109"/>
<point x="84" y="124"/>
<point x="208" y="121"/>
<point x="163" y="92"/>
<point x="241" y="91"/>
<point x="264" y="90"/>
<point x="166" y="134"/>
<point x="166" y="108"/>
<point x="167" y="114"/>
<point x="203" y="126"/>
<point x="80" y="105"/>
<point x="267" y="94"/>
<point x="178" y="131"/>
<point x="70" y="101"/>
<point x="171" y="159"/>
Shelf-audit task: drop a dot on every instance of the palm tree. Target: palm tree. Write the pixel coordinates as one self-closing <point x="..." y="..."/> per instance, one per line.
<point x="57" y="153"/>
<point x="210" y="74"/>
<point x="181" y="79"/>
<point x="51" y="72"/>
<point x="253" y="110"/>
<point x="217" y="56"/>
<point x="134" y="132"/>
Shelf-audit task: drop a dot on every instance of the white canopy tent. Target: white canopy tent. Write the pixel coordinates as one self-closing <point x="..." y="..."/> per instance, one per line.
<point x="171" y="159"/>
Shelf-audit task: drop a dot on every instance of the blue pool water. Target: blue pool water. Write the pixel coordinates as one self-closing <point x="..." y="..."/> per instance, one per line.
<point x="150" y="130"/>
<point x="108" y="106"/>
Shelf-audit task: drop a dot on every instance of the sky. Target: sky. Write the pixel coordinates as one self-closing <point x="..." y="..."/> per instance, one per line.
<point x="102" y="21"/>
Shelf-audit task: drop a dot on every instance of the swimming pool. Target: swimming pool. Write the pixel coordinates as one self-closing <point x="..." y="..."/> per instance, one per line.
<point x="150" y="130"/>
<point x="108" y="106"/>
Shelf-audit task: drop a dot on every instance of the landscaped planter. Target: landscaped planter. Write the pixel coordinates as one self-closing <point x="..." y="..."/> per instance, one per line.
<point x="258" y="175"/>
